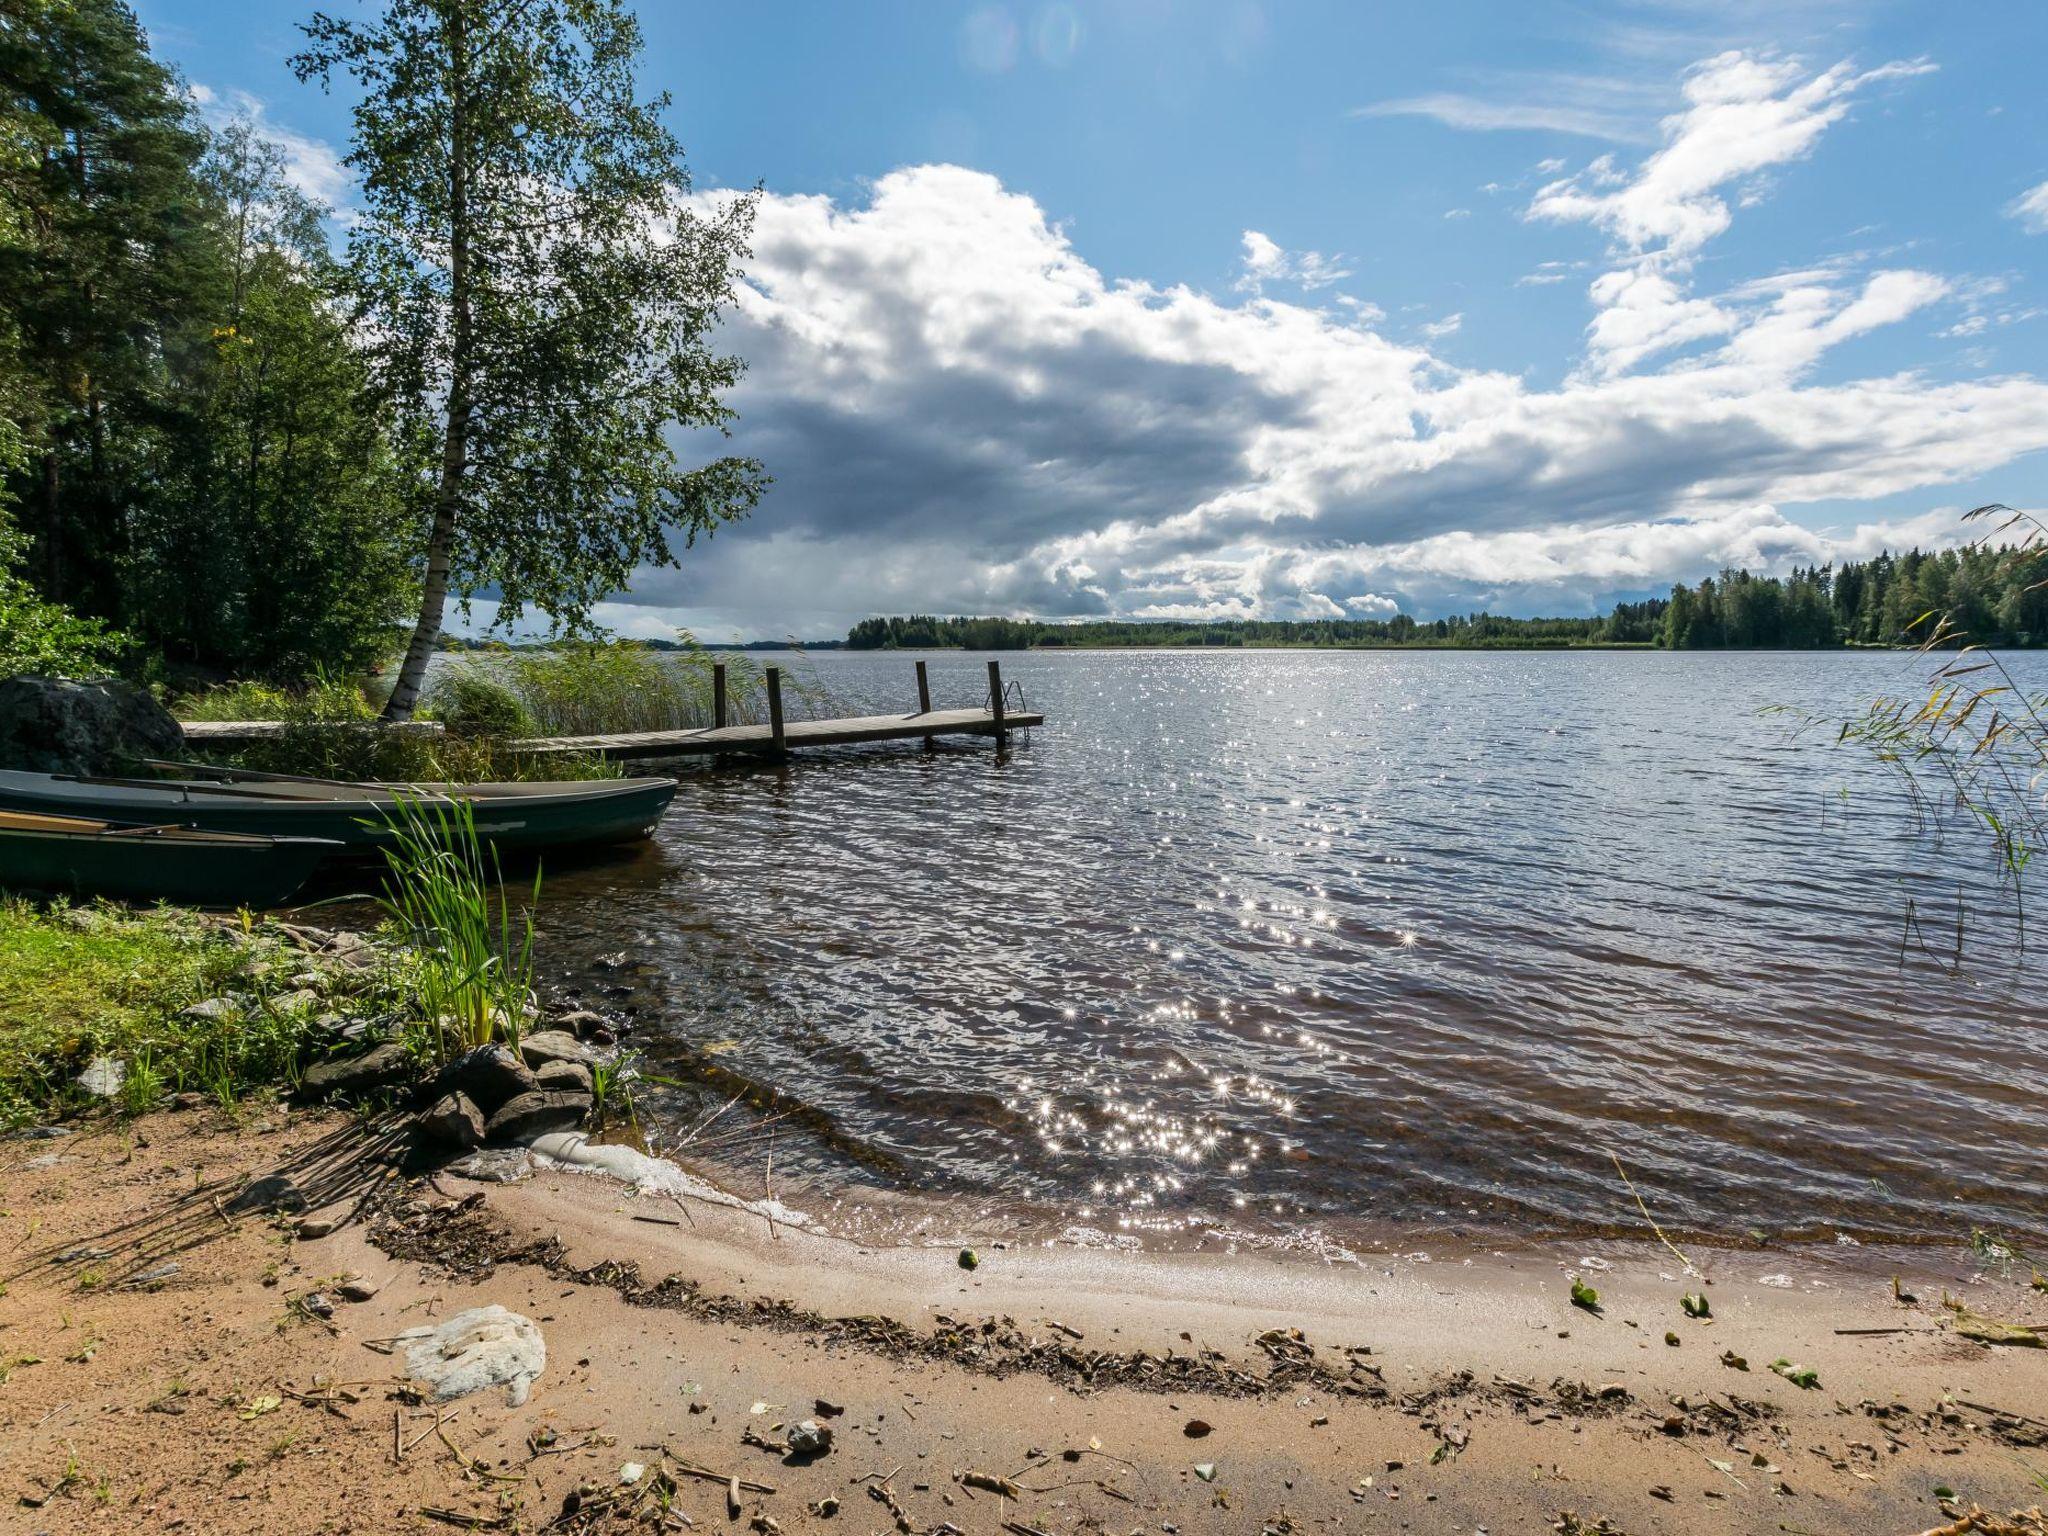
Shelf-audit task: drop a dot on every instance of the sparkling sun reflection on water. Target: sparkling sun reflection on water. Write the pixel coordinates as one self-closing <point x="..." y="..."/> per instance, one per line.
<point x="1278" y="942"/>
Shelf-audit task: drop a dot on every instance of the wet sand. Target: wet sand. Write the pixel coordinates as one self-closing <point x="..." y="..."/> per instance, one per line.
<point x="1455" y="1395"/>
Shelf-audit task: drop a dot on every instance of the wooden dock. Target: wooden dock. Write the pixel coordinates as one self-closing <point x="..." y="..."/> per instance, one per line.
<point x="772" y="737"/>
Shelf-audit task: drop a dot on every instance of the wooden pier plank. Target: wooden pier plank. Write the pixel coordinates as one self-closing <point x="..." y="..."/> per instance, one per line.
<point x="796" y="733"/>
<point x="705" y="740"/>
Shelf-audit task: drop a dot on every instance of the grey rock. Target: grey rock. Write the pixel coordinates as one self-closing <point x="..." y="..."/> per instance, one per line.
<point x="536" y="1114"/>
<point x="483" y="1347"/>
<point x="104" y="1077"/>
<point x="489" y="1074"/>
<point x="43" y="1132"/>
<point x="317" y="1303"/>
<point x="586" y="1025"/>
<point x="356" y="1288"/>
<point x="383" y="1066"/>
<point x="47" y="1160"/>
<point x="272" y="1192"/>
<point x="317" y="1227"/>
<point x="188" y="1100"/>
<point x="210" y="1008"/>
<point x="565" y="1077"/>
<point x="454" y="1120"/>
<point x="808" y="1440"/>
<point x="81" y="1256"/>
<point x="548" y="1045"/>
<point x="149" y="1278"/>
<point x="494" y="1165"/>
<point x="54" y="725"/>
<point x="295" y="1002"/>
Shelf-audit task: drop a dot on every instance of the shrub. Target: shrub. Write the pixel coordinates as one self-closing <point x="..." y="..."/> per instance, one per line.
<point x="470" y="703"/>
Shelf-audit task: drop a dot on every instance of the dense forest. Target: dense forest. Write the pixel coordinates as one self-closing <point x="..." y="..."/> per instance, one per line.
<point x="190" y="445"/>
<point x="231" y="447"/>
<point x="1996" y="596"/>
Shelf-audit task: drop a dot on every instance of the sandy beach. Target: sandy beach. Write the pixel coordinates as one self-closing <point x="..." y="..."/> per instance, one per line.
<point x="178" y="1357"/>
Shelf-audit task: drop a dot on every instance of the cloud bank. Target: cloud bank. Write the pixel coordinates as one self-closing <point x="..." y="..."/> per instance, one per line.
<point x="964" y="415"/>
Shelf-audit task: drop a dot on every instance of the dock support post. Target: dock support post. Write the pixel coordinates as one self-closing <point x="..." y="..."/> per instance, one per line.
<point x="995" y="695"/>
<point x="775" y="709"/>
<point x="924" y="701"/>
<point x="718" y="695"/>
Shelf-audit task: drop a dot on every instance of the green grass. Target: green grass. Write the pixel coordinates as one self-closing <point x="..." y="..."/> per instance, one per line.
<point x="76" y="983"/>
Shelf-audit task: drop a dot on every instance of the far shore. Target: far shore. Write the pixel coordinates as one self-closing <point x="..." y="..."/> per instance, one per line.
<point x="177" y="1365"/>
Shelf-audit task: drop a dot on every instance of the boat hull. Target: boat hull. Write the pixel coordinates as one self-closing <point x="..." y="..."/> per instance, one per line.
<point x="192" y="870"/>
<point x="509" y="816"/>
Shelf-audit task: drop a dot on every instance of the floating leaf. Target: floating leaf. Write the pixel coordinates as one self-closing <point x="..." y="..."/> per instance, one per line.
<point x="1693" y="1304"/>
<point x="1583" y="1295"/>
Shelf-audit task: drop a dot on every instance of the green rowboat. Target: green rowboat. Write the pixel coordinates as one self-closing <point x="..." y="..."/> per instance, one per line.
<point x="78" y="856"/>
<point x="512" y="816"/>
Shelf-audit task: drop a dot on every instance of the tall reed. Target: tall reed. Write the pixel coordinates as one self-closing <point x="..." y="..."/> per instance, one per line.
<point x="444" y="888"/>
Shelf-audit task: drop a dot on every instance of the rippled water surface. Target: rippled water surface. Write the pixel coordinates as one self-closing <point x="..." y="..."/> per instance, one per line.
<point x="1285" y="941"/>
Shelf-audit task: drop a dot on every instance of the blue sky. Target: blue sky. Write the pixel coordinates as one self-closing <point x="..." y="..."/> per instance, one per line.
<point x="1289" y="308"/>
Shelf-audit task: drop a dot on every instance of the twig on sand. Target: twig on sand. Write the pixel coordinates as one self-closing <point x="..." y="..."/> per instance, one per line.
<point x="705" y="1474"/>
<point x="467" y="1522"/>
<point x="1648" y="1217"/>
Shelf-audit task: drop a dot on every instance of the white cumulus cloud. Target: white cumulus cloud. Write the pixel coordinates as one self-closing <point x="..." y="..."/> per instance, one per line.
<point x="963" y="414"/>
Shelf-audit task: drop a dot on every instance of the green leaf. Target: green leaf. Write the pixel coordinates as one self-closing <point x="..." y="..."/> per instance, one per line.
<point x="1799" y="1375"/>
<point x="1693" y="1304"/>
<point x="1583" y="1295"/>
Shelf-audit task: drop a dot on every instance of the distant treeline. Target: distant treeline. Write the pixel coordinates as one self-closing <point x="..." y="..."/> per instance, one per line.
<point x="1985" y="592"/>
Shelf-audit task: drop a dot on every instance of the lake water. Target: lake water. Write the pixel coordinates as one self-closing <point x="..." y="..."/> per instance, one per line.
<point x="1300" y="944"/>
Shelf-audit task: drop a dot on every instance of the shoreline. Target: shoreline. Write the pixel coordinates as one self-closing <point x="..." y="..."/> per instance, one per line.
<point x="1398" y="1392"/>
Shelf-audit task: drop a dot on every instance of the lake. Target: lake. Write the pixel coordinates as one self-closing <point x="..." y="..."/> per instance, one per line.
<point x="1299" y="945"/>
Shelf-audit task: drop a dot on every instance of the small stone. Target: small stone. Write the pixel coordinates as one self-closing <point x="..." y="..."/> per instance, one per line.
<point x="383" y="1066"/>
<point x="494" y="1165"/>
<point x="969" y="1259"/>
<point x="809" y="1439"/>
<point x="318" y="1305"/>
<point x="317" y="1227"/>
<point x="536" y="1114"/>
<point x="209" y="1009"/>
<point x="544" y="1046"/>
<point x="103" y="1077"/>
<point x="586" y="1025"/>
<point x="272" y="1192"/>
<point x="356" y="1288"/>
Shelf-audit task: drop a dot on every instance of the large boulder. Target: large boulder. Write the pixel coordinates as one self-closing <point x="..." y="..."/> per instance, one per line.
<point x="536" y="1114"/>
<point x="454" y="1121"/>
<point x="54" y="725"/>
<point x="489" y="1075"/>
